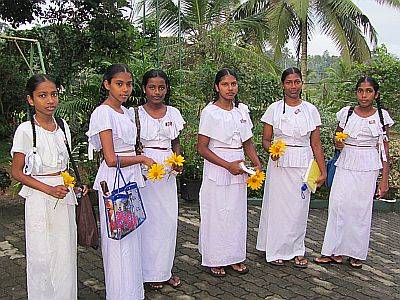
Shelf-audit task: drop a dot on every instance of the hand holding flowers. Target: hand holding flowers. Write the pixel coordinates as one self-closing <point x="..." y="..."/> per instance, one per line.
<point x="255" y="181"/>
<point x="69" y="183"/>
<point x="175" y="162"/>
<point x="156" y="172"/>
<point x="277" y="149"/>
<point x="340" y="137"/>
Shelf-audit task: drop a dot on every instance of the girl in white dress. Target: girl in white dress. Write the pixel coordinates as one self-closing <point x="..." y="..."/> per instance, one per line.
<point x="224" y="138"/>
<point x="363" y="154"/>
<point x="112" y="129"/>
<point x="284" y="214"/>
<point x="39" y="156"/>
<point x="159" y="134"/>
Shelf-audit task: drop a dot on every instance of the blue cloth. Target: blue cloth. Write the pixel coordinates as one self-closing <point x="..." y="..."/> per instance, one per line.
<point x="331" y="168"/>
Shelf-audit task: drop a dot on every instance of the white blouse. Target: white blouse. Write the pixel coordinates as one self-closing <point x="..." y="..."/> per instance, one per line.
<point x="226" y="128"/>
<point x="294" y="127"/>
<point x="159" y="132"/>
<point x="122" y="125"/>
<point x="364" y="144"/>
<point x="50" y="155"/>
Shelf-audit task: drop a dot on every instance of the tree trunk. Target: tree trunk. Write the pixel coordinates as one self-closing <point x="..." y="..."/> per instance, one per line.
<point x="303" y="53"/>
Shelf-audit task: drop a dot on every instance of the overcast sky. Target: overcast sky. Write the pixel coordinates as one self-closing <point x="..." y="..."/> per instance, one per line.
<point x="385" y="19"/>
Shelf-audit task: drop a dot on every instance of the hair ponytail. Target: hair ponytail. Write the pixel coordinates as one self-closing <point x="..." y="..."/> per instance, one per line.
<point x="380" y="113"/>
<point x="103" y="94"/>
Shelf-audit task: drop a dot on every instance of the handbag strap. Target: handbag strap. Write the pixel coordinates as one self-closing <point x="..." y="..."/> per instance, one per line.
<point x="118" y="174"/>
<point x="60" y="124"/>
<point x="349" y="113"/>
<point x="137" y="122"/>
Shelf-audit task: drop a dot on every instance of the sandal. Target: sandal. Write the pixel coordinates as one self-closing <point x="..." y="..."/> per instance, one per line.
<point x="174" y="281"/>
<point x="277" y="262"/>
<point x="300" y="262"/>
<point x="354" y="263"/>
<point x="241" y="268"/>
<point x="155" y="286"/>
<point x="217" y="271"/>
<point x="325" y="260"/>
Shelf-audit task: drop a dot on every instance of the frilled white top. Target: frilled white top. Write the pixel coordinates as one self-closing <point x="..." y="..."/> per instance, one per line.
<point x="51" y="153"/>
<point x="366" y="136"/>
<point x="160" y="132"/>
<point x="123" y="128"/>
<point x="294" y="127"/>
<point x="226" y="128"/>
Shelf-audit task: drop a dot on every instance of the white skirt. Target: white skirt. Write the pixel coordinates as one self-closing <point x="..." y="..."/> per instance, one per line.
<point x="50" y="245"/>
<point x="350" y="213"/>
<point x="159" y="230"/>
<point x="284" y="213"/>
<point x="223" y="212"/>
<point x="121" y="259"/>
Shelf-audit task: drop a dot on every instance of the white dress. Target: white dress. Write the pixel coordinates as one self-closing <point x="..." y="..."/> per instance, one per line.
<point x="353" y="187"/>
<point x="223" y="196"/>
<point x="160" y="198"/>
<point x="284" y="213"/>
<point x="121" y="259"/>
<point x="50" y="229"/>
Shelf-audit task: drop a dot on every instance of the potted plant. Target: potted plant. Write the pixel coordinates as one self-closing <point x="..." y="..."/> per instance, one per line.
<point x="191" y="177"/>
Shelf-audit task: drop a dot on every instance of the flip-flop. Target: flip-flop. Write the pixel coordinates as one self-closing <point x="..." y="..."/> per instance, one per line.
<point x="326" y="260"/>
<point x="215" y="274"/>
<point x="244" y="270"/>
<point x="155" y="286"/>
<point x="354" y="263"/>
<point x="277" y="262"/>
<point x="174" y="281"/>
<point x="298" y="262"/>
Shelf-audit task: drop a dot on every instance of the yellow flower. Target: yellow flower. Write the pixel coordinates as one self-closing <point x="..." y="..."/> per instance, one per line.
<point x="69" y="181"/>
<point x="156" y="172"/>
<point x="260" y="175"/>
<point x="255" y="181"/>
<point x="175" y="160"/>
<point x="341" y="136"/>
<point x="277" y="148"/>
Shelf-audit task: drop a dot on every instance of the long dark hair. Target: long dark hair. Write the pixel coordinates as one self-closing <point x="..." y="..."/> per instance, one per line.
<point x="153" y="73"/>
<point x="108" y="75"/>
<point x="221" y="73"/>
<point x="31" y="86"/>
<point x="286" y="73"/>
<point x="375" y="85"/>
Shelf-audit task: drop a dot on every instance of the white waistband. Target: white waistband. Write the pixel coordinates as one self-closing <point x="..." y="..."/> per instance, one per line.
<point x="157" y="144"/>
<point x="128" y="153"/>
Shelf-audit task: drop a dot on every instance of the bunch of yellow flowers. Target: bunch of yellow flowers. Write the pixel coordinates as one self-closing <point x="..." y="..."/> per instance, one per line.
<point x="69" y="181"/>
<point x="277" y="149"/>
<point x="157" y="171"/>
<point x="255" y="181"/>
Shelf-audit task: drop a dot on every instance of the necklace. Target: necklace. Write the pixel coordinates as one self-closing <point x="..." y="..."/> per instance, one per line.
<point x="54" y="122"/>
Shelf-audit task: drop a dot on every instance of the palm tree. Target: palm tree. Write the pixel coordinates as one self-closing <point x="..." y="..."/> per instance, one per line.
<point x="342" y="20"/>
<point x="197" y="17"/>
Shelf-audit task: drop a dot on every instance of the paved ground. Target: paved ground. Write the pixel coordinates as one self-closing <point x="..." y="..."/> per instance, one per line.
<point x="377" y="280"/>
